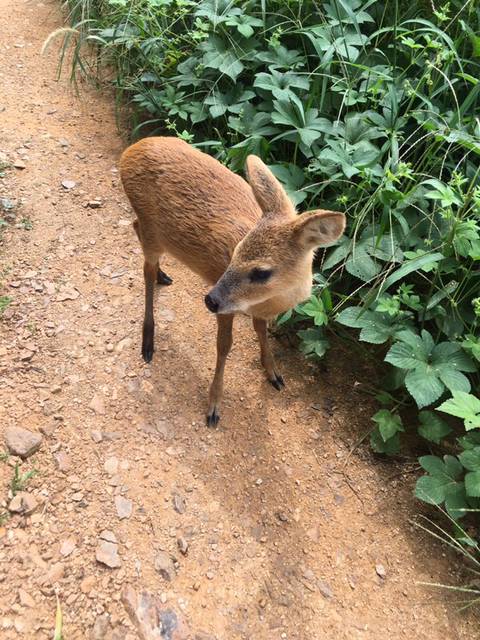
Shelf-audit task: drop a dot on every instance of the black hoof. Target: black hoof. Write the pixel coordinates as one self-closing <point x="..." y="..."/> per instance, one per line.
<point x="277" y="382"/>
<point x="162" y="278"/>
<point x="213" y="418"/>
<point x="147" y="353"/>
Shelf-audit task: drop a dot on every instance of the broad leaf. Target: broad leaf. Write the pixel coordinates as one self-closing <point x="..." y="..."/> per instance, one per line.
<point x="463" y="405"/>
<point x="388" y="424"/>
<point x="432" y="427"/>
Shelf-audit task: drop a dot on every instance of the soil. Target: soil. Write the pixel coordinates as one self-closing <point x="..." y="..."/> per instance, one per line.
<point x="275" y="525"/>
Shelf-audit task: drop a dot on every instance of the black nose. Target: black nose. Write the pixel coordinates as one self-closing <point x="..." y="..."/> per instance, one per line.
<point x="212" y="305"/>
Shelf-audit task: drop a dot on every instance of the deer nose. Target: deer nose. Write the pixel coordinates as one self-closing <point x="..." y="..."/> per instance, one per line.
<point x="212" y="305"/>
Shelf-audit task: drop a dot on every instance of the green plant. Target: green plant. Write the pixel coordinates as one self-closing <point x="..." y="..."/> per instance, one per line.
<point x="368" y="107"/>
<point x="20" y="480"/>
<point x="4" y="303"/>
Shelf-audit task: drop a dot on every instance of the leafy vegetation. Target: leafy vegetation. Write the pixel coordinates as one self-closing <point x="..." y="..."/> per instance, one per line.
<point x="368" y="107"/>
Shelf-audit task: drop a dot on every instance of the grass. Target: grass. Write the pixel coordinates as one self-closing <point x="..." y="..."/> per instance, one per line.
<point x="19" y="481"/>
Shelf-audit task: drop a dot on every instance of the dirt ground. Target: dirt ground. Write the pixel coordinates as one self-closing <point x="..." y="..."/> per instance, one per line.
<point x="264" y="528"/>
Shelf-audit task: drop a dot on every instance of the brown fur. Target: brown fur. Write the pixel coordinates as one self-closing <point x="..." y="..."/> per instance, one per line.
<point x="224" y="229"/>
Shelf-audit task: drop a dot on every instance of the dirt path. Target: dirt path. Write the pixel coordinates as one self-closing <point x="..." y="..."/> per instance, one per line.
<point x="284" y="541"/>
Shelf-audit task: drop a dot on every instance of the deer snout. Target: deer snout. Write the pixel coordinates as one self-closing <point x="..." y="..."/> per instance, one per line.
<point x="211" y="304"/>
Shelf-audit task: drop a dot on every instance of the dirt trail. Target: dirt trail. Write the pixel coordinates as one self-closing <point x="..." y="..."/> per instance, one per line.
<point x="284" y="540"/>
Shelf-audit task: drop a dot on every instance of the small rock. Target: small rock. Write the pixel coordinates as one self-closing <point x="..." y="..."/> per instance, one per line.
<point x="210" y="575"/>
<point x="23" y="503"/>
<point x="179" y="503"/>
<point x="324" y="589"/>
<point x="18" y="164"/>
<point x="182" y="545"/>
<point x="107" y="554"/>
<point x="67" y="293"/>
<point x="164" y="565"/>
<point x="63" y="143"/>
<point x="68" y="184"/>
<point x="94" y="204"/>
<point x="26" y="599"/>
<point x="153" y="620"/>
<point x="107" y="535"/>
<point x="62" y="460"/>
<point x="101" y="627"/>
<point x="96" y="436"/>
<point x="87" y="584"/>
<point x="111" y="466"/>
<point x="67" y="547"/>
<point x="98" y="405"/>
<point x="123" y="506"/>
<point x="381" y="572"/>
<point x="123" y="344"/>
<point x="21" y="442"/>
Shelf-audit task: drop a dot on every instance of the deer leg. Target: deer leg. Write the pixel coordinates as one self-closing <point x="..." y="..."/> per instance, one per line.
<point x="266" y="355"/>
<point x="149" y="273"/>
<point x="162" y="277"/>
<point x="224" y="344"/>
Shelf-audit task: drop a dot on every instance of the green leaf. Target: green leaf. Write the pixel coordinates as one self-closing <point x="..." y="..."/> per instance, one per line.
<point x="463" y="405"/>
<point x="315" y="309"/>
<point x="423" y="385"/>
<point x="390" y="447"/>
<point x="431" y="489"/>
<point x="409" y="266"/>
<point x="356" y="317"/>
<point x="471" y="459"/>
<point x="388" y="424"/>
<point x="456" y="500"/>
<point x="452" y="379"/>
<point x="472" y="484"/>
<point x="432" y="427"/>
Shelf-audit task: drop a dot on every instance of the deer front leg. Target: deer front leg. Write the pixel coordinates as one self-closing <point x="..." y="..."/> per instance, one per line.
<point x="266" y="355"/>
<point x="224" y="344"/>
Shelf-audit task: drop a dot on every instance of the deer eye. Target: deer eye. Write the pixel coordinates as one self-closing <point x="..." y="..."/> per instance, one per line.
<point x="259" y="275"/>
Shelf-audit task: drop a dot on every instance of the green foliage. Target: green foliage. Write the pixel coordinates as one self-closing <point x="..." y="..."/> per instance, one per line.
<point x="20" y="480"/>
<point x="371" y="108"/>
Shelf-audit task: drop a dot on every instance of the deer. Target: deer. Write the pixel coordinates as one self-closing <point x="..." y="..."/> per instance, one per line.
<point x="244" y="238"/>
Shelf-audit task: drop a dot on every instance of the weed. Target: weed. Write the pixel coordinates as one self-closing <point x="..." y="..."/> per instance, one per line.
<point x="26" y="224"/>
<point x="20" y="480"/>
<point x="4" y="303"/>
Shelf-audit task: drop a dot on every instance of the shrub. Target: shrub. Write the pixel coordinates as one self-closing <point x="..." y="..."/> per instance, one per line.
<point x="370" y="107"/>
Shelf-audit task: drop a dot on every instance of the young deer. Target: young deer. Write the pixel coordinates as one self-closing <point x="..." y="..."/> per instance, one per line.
<point x="246" y="238"/>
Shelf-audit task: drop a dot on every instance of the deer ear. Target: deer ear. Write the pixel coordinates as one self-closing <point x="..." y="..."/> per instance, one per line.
<point x="267" y="190"/>
<point x="319" y="228"/>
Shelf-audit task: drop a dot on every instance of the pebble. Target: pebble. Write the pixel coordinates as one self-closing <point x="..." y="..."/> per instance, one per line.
<point x="23" y="503"/>
<point x="101" y="627"/>
<point x="108" y="535"/>
<point x="87" y="584"/>
<point x="21" y="442"/>
<point x="111" y="466"/>
<point x="153" y="619"/>
<point x="179" y="503"/>
<point x="123" y="506"/>
<point x="26" y="599"/>
<point x="68" y="184"/>
<point x="381" y="571"/>
<point x="164" y="566"/>
<point x="325" y="589"/>
<point x="67" y="547"/>
<point x="98" y="405"/>
<point x="107" y="554"/>
<point x="182" y="545"/>
<point x="62" y="460"/>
